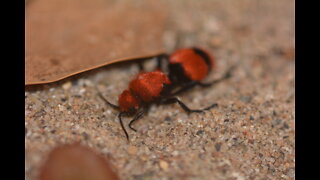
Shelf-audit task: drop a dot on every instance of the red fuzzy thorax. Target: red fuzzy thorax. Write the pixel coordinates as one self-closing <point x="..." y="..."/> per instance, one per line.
<point x="194" y="65"/>
<point x="127" y="101"/>
<point x="148" y="86"/>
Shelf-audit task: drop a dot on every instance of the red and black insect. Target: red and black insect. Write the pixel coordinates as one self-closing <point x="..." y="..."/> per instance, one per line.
<point x="187" y="67"/>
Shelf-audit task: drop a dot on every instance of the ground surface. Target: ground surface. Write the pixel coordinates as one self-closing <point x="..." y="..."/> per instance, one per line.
<point x="249" y="136"/>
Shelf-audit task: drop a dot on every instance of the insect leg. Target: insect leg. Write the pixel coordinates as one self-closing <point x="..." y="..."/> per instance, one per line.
<point x="185" y="88"/>
<point x="160" y="58"/>
<point x="227" y="75"/>
<point x="106" y="101"/>
<point x="121" y="123"/>
<point x="185" y="107"/>
<point x="191" y="84"/>
<point x="137" y="116"/>
<point x="140" y="65"/>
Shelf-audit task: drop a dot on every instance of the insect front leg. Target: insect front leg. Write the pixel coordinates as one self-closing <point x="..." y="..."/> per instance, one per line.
<point x="136" y="117"/>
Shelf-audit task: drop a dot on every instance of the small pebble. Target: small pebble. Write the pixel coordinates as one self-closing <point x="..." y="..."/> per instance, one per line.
<point x="285" y="125"/>
<point x="175" y="153"/>
<point x="163" y="164"/>
<point x="199" y="132"/>
<point x="217" y="146"/>
<point x="260" y="155"/>
<point x="63" y="99"/>
<point x="132" y="150"/>
<point x="67" y="85"/>
<point x="82" y="91"/>
<point x="85" y="135"/>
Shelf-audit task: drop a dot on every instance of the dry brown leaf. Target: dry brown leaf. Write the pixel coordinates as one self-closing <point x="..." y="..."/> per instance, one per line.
<point x="76" y="162"/>
<point x="68" y="37"/>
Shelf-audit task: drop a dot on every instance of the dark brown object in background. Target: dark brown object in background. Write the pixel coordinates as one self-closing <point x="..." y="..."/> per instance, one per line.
<point x="68" y="162"/>
<point x="64" y="38"/>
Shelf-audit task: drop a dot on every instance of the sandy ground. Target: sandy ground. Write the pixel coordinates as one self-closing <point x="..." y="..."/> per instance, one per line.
<point x="251" y="135"/>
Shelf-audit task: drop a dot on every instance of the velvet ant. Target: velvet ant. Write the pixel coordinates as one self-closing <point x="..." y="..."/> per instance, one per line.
<point x="187" y="67"/>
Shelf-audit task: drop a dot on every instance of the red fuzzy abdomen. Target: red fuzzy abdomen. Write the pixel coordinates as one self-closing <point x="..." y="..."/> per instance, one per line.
<point x="194" y="65"/>
<point x="148" y="86"/>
